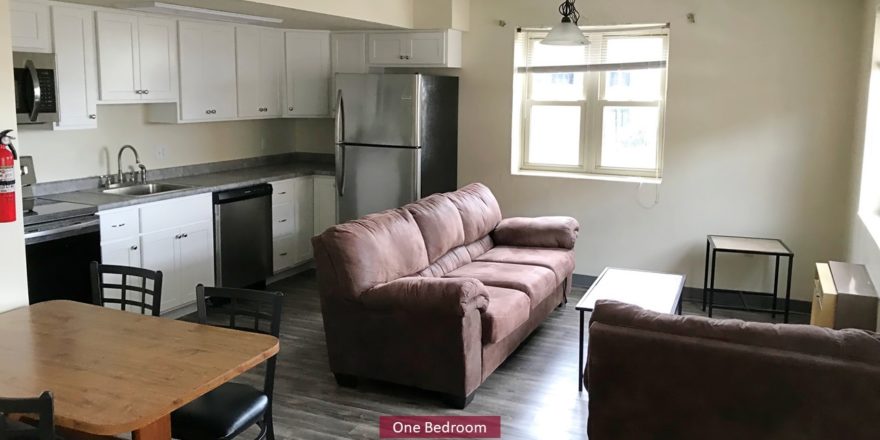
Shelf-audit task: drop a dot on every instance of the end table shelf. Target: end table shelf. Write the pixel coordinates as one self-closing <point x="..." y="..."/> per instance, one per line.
<point x="771" y="247"/>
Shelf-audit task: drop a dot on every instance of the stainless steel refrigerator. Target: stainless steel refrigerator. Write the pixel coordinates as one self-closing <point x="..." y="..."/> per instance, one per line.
<point x="396" y="140"/>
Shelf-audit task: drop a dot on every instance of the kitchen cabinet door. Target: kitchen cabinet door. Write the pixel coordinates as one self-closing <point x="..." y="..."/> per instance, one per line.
<point x="195" y="260"/>
<point x="157" y="49"/>
<point x="325" y="203"/>
<point x="159" y="253"/>
<point x="118" y="60"/>
<point x="76" y="66"/>
<point x="207" y="71"/>
<point x="307" y="73"/>
<point x="388" y="49"/>
<point x="260" y="67"/>
<point x="122" y="252"/>
<point x="349" y="52"/>
<point x="426" y="48"/>
<point x="304" y="200"/>
<point x="283" y="219"/>
<point x="30" y="26"/>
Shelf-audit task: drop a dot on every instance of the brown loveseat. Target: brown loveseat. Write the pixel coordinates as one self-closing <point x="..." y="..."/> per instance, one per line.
<point x="656" y="376"/>
<point x="438" y="293"/>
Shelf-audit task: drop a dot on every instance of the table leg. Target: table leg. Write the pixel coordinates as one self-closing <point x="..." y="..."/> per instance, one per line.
<point x="706" y="275"/>
<point x="775" y="287"/>
<point x="788" y="287"/>
<point x="158" y="430"/>
<point x="712" y="282"/>
<point x="581" y="355"/>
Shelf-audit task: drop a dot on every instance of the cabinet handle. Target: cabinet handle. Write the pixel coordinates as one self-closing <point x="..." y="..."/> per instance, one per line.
<point x="118" y="226"/>
<point x="282" y="193"/>
<point x="146" y="92"/>
<point x="177" y="237"/>
<point x="139" y="92"/>
<point x="407" y="57"/>
<point x="282" y="220"/>
<point x="93" y="116"/>
<point x="184" y="235"/>
<point x="290" y="109"/>
<point x="401" y="56"/>
<point x="283" y="254"/>
<point x="134" y="247"/>
<point x="208" y="112"/>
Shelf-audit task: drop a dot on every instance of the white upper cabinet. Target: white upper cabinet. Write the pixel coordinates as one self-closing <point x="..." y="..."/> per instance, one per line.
<point x="416" y="49"/>
<point x="137" y="58"/>
<point x="259" y="71"/>
<point x="73" y="29"/>
<point x="207" y="71"/>
<point x="308" y="74"/>
<point x="30" y="26"/>
<point x="349" y="52"/>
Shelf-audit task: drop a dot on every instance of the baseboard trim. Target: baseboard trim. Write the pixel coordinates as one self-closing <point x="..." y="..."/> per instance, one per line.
<point x="695" y="295"/>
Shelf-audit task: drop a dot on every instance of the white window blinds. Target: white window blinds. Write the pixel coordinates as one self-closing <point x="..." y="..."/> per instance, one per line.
<point x="611" y="48"/>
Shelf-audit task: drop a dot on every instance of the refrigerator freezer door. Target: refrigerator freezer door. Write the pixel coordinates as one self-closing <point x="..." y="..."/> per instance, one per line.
<point x="376" y="179"/>
<point x="381" y="109"/>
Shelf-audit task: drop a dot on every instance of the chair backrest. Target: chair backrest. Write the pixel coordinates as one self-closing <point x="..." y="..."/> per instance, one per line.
<point x="41" y="406"/>
<point x="132" y="288"/>
<point x="247" y="310"/>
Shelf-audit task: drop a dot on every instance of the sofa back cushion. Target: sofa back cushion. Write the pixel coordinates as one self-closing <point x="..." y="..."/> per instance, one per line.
<point x="479" y="210"/>
<point x="440" y="223"/>
<point x="849" y="344"/>
<point x="372" y="250"/>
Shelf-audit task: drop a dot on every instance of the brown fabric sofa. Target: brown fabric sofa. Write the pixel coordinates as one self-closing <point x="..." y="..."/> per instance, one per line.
<point x="438" y="293"/>
<point x="656" y="376"/>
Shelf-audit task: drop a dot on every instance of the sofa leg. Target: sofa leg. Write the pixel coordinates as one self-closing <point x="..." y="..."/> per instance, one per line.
<point x="346" y="380"/>
<point x="458" y="402"/>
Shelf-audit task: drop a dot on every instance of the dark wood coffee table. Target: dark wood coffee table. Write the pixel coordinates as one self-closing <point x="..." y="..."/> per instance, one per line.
<point x="660" y="292"/>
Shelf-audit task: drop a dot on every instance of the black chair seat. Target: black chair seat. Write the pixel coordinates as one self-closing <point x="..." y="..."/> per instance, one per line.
<point x="222" y="413"/>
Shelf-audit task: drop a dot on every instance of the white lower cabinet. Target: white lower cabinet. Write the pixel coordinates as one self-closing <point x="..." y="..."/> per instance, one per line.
<point x="292" y="222"/>
<point x="325" y="203"/>
<point x="161" y="236"/>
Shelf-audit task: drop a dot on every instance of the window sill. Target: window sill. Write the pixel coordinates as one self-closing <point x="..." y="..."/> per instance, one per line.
<point x="585" y="176"/>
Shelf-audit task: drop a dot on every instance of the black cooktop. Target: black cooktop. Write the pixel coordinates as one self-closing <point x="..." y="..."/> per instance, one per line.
<point x="46" y="210"/>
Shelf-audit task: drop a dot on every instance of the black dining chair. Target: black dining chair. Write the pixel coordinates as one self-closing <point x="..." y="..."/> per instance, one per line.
<point x="231" y="408"/>
<point x="41" y="406"/>
<point x="132" y="285"/>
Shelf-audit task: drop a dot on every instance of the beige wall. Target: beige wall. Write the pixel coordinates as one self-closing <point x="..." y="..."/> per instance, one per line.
<point x="391" y="12"/>
<point x="759" y="128"/>
<point x="69" y="154"/>
<point x="441" y="14"/>
<point x="13" y="275"/>
<point x="863" y="247"/>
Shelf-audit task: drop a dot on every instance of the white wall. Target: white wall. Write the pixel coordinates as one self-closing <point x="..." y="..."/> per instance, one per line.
<point x="83" y="153"/>
<point x="13" y="275"/>
<point x="390" y="12"/>
<point x="863" y="247"/>
<point x="759" y="128"/>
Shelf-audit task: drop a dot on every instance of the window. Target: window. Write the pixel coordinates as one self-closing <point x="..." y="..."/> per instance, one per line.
<point x="591" y="110"/>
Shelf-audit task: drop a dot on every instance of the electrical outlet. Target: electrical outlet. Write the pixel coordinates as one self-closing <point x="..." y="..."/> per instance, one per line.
<point x="162" y="152"/>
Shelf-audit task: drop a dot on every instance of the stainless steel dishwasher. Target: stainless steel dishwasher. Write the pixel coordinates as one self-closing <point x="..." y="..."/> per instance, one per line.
<point x="243" y="236"/>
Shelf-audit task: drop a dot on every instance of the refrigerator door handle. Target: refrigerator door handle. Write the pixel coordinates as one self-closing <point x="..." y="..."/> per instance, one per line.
<point x="340" y="169"/>
<point x="340" y="144"/>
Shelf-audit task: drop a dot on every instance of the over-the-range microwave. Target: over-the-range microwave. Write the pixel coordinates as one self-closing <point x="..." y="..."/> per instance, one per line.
<point x="35" y="92"/>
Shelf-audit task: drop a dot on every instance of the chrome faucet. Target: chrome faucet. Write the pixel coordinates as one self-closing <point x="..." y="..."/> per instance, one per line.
<point x="137" y="159"/>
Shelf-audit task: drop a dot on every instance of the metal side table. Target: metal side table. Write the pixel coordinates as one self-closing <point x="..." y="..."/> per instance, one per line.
<point x="747" y="245"/>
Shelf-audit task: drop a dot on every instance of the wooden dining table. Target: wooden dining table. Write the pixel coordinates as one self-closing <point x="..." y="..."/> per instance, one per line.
<point x="114" y="372"/>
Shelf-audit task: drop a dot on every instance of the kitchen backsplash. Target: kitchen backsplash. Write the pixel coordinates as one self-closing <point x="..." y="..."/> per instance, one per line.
<point x="74" y="154"/>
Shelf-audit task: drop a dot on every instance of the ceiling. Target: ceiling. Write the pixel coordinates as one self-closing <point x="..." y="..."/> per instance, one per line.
<point x="293" y="18"/>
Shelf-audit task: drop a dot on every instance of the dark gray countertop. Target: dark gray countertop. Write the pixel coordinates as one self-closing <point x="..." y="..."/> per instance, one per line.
<point x="199" y="184"/>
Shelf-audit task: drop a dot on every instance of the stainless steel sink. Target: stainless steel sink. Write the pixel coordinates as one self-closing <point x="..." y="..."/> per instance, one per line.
<point x="145" y="189"/>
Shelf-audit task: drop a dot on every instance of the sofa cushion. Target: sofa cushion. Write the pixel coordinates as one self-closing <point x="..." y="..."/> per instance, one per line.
<point x="452" y="260"/>
<point x="537" y="282"/>
<point x="507" y="310"/>
<point x="480" y="246"/>
<point x="851" y="344"/>
<point x="479" y="210"/>
<point x="375" y="249"/>
<point x="560" y="261"/>
<point x="440" y="223"/>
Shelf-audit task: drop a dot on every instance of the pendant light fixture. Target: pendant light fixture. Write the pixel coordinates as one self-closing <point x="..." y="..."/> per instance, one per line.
<point x="567" y="32"/>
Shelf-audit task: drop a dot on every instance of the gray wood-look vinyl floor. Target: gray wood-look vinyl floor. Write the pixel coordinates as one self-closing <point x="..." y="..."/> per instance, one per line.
<point x="535" y="391"/>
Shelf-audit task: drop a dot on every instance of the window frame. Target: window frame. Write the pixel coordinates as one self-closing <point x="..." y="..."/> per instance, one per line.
<point x="592" y="113"/>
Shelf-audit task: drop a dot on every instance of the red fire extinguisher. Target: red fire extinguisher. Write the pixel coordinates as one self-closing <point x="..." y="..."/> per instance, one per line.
<point x="8" y="156"/>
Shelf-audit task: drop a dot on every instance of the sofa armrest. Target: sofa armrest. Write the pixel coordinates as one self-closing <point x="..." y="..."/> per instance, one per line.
<point x="551" y="232"/>
<point x="422" y="294"/>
